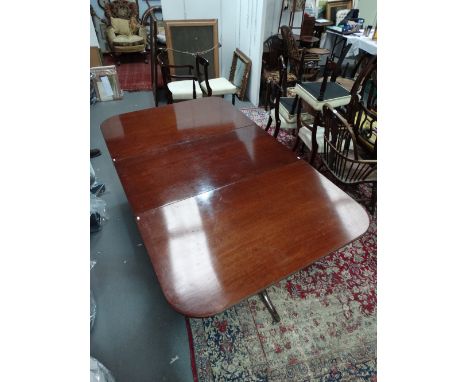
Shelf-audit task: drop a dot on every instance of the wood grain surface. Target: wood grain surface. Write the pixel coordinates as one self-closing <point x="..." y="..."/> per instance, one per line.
<point x="215" y="249"/>
<point x="223" y="208"/>
<point x="180" y="171"/>
<point x="135" y="133"/>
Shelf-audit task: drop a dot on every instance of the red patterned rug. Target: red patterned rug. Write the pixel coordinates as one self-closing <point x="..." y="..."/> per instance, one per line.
<point x="328" y="321"/>
<point x="133" y="73"/>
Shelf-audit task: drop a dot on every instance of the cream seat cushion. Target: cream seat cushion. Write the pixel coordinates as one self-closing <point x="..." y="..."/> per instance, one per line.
<point x="219" y="86"/>
<point x="305" y="135"/>
<point x="315" y="103"/>
<point x="184" y="89"/>
<point x="285" y="124"/>
<point x="124" y="40"/>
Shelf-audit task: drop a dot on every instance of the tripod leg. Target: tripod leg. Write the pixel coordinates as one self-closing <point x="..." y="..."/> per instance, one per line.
<point x="269" y="305"/>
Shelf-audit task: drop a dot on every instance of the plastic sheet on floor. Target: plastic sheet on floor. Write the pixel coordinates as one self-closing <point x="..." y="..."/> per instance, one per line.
<point x="99" y="373"/>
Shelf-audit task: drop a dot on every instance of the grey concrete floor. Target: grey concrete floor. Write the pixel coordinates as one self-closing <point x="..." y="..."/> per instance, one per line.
<point x="136" y="333"/>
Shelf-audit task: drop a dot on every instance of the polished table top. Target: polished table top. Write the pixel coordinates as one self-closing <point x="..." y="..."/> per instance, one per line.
<point x="134" y="133"/>
<point x="224" y="209"/>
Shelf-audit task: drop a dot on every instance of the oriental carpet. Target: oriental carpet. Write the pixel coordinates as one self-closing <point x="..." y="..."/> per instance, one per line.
<point x="328" y="320"/>
<point x="133" y="73"/>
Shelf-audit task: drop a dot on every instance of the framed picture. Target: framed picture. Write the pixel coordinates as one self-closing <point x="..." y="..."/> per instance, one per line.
<point x="106" y="83"/>
<point x="335" y="6"/>
<point x="192" y="36"/>
<point x="240" y="70"/>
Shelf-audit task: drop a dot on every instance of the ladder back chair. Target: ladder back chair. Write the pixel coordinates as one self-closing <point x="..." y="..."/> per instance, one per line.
<point x="303" y="62"/>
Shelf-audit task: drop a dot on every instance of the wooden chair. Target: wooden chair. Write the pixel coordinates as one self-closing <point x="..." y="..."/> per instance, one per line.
<point x="340" y="157"/>
<point x="364" y="124"/>
<point x="178" y="87"/>
<point x="307" y="36"/>
<point x="214" y="86"/>
<point x="363" y="93"/>
<point x="339" y="62"/>
<point x="281" y="108"/>
<point x="303" y="62"/>
<point x="364" y="65"/>
<point x="316" y="95"/>
<point x="273" y="47"/>
<point x="125" y="33"/>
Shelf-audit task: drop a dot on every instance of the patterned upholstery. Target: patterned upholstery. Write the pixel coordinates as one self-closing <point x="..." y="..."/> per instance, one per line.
<point x="121" y="42"/>
<point x="273" y="75"/>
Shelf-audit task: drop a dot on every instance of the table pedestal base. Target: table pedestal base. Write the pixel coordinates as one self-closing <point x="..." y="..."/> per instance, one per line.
<point x="269" y="305"/>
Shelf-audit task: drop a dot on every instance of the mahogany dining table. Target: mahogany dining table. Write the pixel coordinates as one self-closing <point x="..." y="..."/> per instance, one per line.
<point x="224" y="210"/>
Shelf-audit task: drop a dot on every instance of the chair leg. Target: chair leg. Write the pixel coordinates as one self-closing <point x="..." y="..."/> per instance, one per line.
<point x="233" y="99"/>
<point x="296" y="143"/>
<point x="117" y="58"/>
<point x="269" y="305"/>
<point x="302" y="147"/>
<point x="373" y="198"/>
<point x="298" y="104"/>
<point x="314" y="139"/>
<point x="266" y="96"/>
<point x="277" y="128"/>
<point x="270" y="120"/>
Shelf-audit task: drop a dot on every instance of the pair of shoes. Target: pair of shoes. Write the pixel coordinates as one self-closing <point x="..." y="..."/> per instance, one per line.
<point x="98" y="189"/>
<point x="95" y="220"/>
<point x="94" y="153"/>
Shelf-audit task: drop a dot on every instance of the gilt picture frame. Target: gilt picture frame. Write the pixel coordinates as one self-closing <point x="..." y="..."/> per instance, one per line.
<point x="335" y="6"/>
<point x="240" y="71"/>
<point x="106" y="83"/>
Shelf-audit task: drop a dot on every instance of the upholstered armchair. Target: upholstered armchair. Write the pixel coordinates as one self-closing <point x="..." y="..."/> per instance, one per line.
<point x="125" y="34"/>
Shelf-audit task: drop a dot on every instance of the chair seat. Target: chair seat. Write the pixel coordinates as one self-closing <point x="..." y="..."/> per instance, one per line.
<point x="124" y="40"/>
<point x="287" y="122"/>
<point x="335" y="95"/>
<point x="184" y="89"/>
<point x="219" y="86"/>
<point x="319" y="51"/>
<point x="309" y="39"/>
<point x="347" y="83"/>
<point x="285" y="108"/>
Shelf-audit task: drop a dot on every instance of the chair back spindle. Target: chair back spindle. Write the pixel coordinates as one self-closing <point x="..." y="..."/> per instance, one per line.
<point x="340" y="150"/>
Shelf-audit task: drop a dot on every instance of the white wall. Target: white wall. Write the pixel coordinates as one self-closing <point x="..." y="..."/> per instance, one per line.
<point x="250" y="28"/>
<point x="368" y="11"/>
<point x="272" y="15"/>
